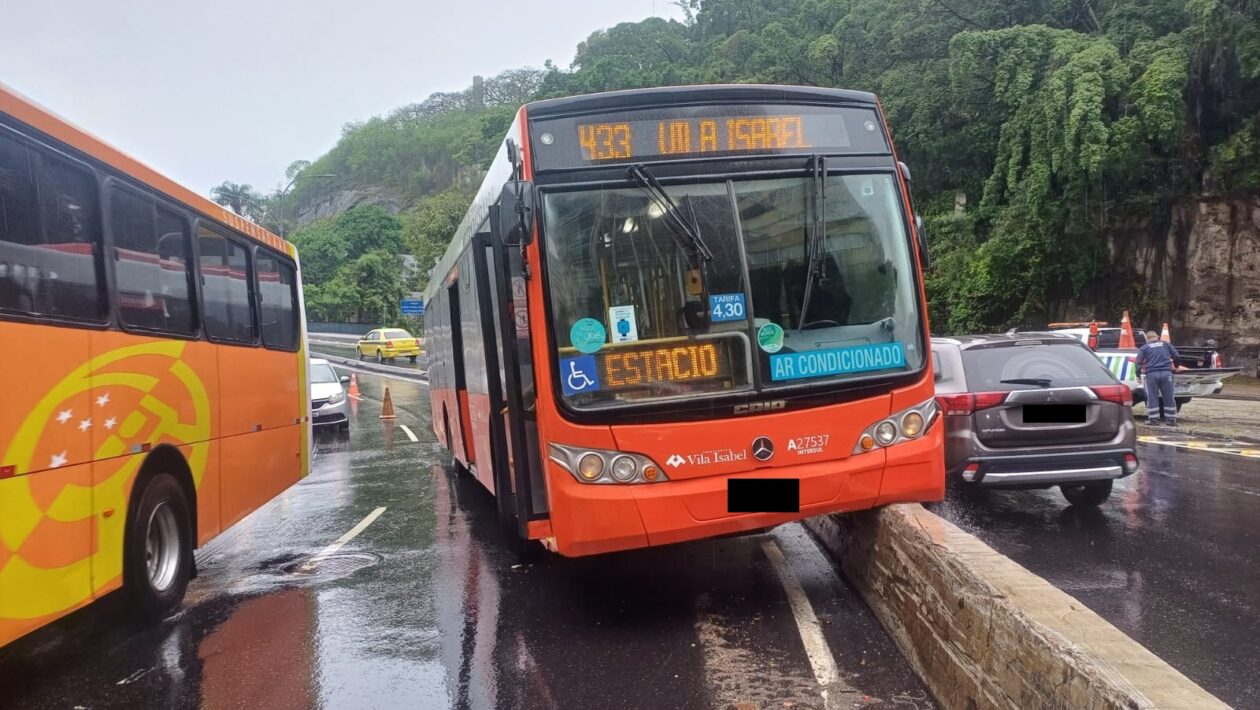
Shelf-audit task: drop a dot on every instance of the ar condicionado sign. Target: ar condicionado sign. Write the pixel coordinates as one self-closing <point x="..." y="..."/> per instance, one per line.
<point x="623" y="368"/>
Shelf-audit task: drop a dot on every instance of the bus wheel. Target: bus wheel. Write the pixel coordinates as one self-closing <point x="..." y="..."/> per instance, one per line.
<point x="157" y="557"/>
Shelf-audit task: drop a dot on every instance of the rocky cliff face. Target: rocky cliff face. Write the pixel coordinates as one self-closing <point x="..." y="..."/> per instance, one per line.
<point x="342" y="200"/>
<point x="1205" y="264"/>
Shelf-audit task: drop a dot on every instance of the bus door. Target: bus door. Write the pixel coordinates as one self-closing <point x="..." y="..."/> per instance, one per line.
<point x="520" y="487"/>
<point x="459" y="443"/>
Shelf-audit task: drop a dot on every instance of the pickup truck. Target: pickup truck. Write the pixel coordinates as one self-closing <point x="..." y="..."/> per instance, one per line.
<point x="1204" y="373"/>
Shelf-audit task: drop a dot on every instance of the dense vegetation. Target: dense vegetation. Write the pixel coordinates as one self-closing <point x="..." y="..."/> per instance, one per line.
<point x="1032" y="126"/>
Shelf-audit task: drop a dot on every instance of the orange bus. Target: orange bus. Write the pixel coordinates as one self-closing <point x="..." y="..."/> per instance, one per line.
<point x="675" y="313"/>
<point x="153" y="362"/>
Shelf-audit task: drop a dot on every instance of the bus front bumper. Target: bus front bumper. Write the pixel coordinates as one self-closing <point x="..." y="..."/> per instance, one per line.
<point x="593" y="519"/>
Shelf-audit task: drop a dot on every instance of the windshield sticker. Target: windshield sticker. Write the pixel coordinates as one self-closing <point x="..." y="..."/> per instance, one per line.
<point x="624" y="329"/>
<point x="578" y="375"/>
<point x="726" y="306"/>
<point x="837" y="361"/>
<point x="588" y="335"/>
<point x="770" y="338"/>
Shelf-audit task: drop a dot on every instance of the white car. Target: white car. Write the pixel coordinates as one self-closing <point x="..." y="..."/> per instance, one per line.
<point x="329" y="405"/>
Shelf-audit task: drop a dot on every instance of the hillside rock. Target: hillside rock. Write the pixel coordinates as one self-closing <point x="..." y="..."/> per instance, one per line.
<point x="1206" y="263"/>
<point x="337" y="202"/>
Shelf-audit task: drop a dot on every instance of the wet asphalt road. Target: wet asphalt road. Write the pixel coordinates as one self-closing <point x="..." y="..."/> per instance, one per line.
<point x="430" y="607"/>
<point x="347" y="350"/>
<point x="1172" y="559"/>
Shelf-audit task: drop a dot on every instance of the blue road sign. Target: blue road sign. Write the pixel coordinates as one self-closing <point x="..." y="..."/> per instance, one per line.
<point x="411" y="307"/>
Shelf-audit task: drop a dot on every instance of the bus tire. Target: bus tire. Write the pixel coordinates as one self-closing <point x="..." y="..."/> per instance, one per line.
<point x="157" y="549"/>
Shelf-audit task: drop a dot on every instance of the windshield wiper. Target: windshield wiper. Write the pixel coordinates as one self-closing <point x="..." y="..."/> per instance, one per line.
<point x="817" y="244"/>
<point x="1036" y="381"/>
<point x="649" y="184"/>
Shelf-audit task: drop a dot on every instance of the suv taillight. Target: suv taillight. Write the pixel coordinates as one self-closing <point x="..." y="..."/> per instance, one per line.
<point x="1120" y="394"/>
<point x="962" y="405"/>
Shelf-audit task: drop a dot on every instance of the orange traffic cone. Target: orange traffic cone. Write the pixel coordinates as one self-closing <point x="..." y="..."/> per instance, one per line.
<point x="1164" y="335"/>
<point x="1093" y="335"/>
<point x="387" y="407"/>
<point x="1126" y="332"/>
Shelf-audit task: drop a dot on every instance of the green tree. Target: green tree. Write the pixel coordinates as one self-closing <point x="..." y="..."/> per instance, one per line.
<point x="377" y="276"/>
<point x="429" y="228"/>
<point x="238" y="197"/>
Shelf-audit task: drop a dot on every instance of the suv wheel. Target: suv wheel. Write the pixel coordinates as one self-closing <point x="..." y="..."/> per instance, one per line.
<point x="1089" y="493"/>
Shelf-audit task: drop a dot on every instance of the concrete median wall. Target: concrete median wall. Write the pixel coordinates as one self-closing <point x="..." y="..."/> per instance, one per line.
<point x="982" y="631"/>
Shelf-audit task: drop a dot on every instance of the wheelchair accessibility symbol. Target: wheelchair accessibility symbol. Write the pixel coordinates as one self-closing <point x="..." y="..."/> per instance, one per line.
<point x="579" y="374"/>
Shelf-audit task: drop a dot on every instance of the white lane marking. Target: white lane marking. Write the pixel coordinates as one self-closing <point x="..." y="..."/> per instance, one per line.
<point x="816" y="648"/>
<point x="410" y="434"/>
<point x="350" y="535"/>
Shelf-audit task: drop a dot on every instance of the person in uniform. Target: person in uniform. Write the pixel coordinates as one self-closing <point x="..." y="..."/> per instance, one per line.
<point x="1156" y="360"/>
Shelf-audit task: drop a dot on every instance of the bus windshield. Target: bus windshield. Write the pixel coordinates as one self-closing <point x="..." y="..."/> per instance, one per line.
<point x="644" y="312"/>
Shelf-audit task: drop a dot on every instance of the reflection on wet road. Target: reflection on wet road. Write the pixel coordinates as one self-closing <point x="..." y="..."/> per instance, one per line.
<point x="430" y="606"/>
<point x="1173" y="559"/>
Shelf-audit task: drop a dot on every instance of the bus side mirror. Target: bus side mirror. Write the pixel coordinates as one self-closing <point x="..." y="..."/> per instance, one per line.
<point x="516" y="213"/>
<point x="925" y="256"/>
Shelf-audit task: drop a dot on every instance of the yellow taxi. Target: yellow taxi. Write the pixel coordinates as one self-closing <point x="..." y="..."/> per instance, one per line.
<point x="388" y="344"/>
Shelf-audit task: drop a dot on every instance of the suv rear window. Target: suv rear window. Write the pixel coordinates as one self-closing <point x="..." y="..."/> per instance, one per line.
<point x="1065" y="365"/>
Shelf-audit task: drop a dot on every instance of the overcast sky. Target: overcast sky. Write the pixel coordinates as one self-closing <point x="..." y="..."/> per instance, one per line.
<point x="237" y="89"/>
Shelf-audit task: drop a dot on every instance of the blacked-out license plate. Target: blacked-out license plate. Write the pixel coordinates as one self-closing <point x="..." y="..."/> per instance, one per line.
<point x="1054" y="414"/>
<point x="763" y="495"/>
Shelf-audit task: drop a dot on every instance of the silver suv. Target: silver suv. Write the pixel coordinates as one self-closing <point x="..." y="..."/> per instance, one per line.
<point x="1033" y="412"/>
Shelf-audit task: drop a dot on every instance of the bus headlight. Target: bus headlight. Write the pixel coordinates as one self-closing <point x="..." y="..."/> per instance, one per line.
<point x="912" y="424"/>
<point x="589" y="465"/>
<point x="624" y="469"/>
<point x="886" y="433"/>
<point x="905" y="425"/>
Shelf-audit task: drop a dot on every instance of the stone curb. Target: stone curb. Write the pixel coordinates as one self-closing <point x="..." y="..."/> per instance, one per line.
<point x="982" y="631"/>
<point x="417" y="375"/>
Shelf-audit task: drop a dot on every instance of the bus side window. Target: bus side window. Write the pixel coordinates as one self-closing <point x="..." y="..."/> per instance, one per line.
<point x="225" y="287"/>
<point x="51" y="271"/>
<point x="277" y="296"/>
<point x="152" y="267"/>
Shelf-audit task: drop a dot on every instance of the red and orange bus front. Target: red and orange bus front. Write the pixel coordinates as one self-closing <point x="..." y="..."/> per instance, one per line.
<point x="731" y="344"/>
<point x="726" y="316"/>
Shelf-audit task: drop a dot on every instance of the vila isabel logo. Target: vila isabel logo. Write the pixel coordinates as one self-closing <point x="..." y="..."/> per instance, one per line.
<point x="707" y="458"/>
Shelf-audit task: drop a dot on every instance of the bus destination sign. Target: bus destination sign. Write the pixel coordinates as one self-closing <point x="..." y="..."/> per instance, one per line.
<point x="692" y="132"/>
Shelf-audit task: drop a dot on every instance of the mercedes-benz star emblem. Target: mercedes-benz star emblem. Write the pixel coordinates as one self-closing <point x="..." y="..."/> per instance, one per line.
<point x="762" y="448"/>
